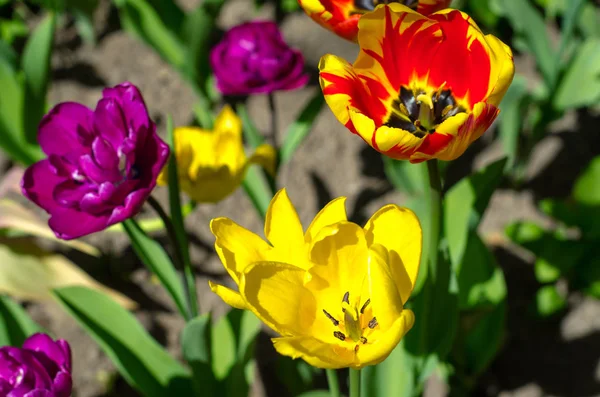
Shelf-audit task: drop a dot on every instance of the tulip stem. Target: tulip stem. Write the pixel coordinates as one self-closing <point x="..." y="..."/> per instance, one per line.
<point x="273" y="125"/>
<point x="188" y="275"/>
<point x="435" y="192"/>
<point x="354" y="382"/>
<point x="334" y="385"/>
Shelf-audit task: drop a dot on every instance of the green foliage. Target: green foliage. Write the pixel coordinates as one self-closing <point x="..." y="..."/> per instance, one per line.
<point x="15" y="323"/>
<point x="569" y="251"/>
<point x="158" y="262"/>
<point x="138" y="357"/>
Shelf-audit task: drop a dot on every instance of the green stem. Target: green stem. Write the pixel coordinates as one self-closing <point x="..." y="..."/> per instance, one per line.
<point x="334" y="385"/>
<point x="178" y="257"/>
<point x="354" y="382"/>
<point x="435" y="192"/>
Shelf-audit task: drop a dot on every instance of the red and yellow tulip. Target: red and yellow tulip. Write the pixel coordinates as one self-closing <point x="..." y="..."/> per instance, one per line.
<point x="341" y="16"/>
<point x="422" y="87"/>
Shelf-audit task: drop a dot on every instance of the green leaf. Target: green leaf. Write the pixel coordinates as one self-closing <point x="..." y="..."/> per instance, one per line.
<point x="396" y="376"/>
<point x="483" y="340"/>
<point x="140" y="18"/>
<point x="36" y="68"/>
<point x="316" y="393"/>
<point x="15" y="323"/>
<point x="580" y="85"/>
<point x="587" y="186"/>
<point x="177" y="220"/>
<point x="407" y="178"/>
<point x="548" y="301"/>
<point x="300" y="128"/>
<point x="257" y="188"/>
<point x="575" y="214"/>
<point x="513" y="109"/>
<point x="545" y="271"/>
<point x="529" y="23"/>
<point x="143" y="363"/>
<point x="588" y="20"/>
<point x="251" y="133"/>
<point x="464" y="206"/>
<point x="295" y="375"/>
<point x="196" y="347"/>
<point x="480" y="279"/>
<point x="157" y="261"/>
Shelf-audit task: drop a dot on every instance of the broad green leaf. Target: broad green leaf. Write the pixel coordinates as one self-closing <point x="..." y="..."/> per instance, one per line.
<point x="396" y="376"/>
<point x="545" y="271"/>
<point x="436" y="319"/>
<point x="196" y="348"/>
<point x="233" y="340"/>
<point x="316" y="393"/>
<point x="12" y="137"/>
<point x="298" y="131"/>
<point x="157" y="261"/>
<point x="139" y="358"/>
<point x="483" y="12"/>
<point x="141" y="19"/>
<point x="511" y="118"/>
<point x="36" y="69"/>
<point x="177" y="221"/>
<point x="587" y="186"/>
<point x="529" y="23"/>
<point x="569" y="22"/>
<point x="480" y="280"/>
<point x="587" y="276"/>
<point x="30" y="272"/>
<point x="465" y="204"/>
<point x="486" y="331"/>
<point x="588" y="20"/>
<point x="251" y="133"/>
<point x="15" y="323"/>
<point x="407" y="178"/>
<point x="548" y="301"/>
<point x="295" y="375"/>
<point x="574" y="214"/>
<point x="257" y="188"/>
<point x="580" y="85"/>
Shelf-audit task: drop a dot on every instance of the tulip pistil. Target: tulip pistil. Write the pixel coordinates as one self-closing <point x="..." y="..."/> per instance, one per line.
<point x="369" y="5"/>
<point x="352" y="321"/>
<point x="419" y="112"/>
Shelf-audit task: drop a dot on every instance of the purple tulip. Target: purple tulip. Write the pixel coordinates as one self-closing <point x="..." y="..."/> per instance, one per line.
<point x="41" y="368"/>
<point x="102" y="164"/>
<point x="253" y="58"/>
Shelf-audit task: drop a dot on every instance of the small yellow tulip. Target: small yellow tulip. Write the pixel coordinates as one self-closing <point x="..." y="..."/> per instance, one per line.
<point x="336" y="293"/>
<point x="212" y="164"/>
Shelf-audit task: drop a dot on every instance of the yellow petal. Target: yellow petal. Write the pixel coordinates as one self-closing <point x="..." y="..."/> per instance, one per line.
<point x="389" y="137"/>
<point x="339" y="67"/>
<point x="399" y="231"/>
<point x="283" y="228"/>
<point x="266" y="156"/>
<point x="333" y="212"/>
<point x="229" y="296"/>
<point x="363" y="125"/>
<point x="228" y="122"/>
<point x="384" y="293"/>
<point x="237" y="247"/>
<point x="340" y="254"/>
<point x="502" y="69"/>
<point x="275" y="292"/>
<point x="376" y="352"/>
<point x="314" y="352"/>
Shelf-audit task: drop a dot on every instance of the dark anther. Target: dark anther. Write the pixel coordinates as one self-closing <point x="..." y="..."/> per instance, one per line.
<point x="363" y="340"/>
<point x="339" y="335"/>
<point x="373" y="323"/>
<point x="362" y="309"/>
<point x="134" y="173"/>
<point x="346" y="298"/>
<point x="369" y="5"/>
<point x="333" y="320"/>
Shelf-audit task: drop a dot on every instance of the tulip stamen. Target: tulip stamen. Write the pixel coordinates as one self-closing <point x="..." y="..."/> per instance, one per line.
<point x="340" y="335"/>
<point x="419" y="112"/>
<point x="373" y="323"/>
<point x="363" y="6"/>
<point x="364" y="306"/>
<point x="330" y="317"/>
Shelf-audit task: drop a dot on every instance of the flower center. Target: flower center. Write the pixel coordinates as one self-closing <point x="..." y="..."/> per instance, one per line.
<point x="352" y="323"/>
<point x="369" y="5"/>
<point x="420" y="113"/>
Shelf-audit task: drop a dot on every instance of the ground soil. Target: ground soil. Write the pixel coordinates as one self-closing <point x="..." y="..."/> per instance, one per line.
<point x="556" y="357"/>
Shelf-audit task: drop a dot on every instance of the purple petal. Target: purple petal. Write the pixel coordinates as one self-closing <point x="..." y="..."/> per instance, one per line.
<point x="133" y="204"/>
<point x="105" y="155"/>
<point x="63" y="384"/>
<point x="66" y="348"/>
<point x="69" y="193"/>
<point x="93" y="204"/>
<point x="39" y="393"/>
<point x="66" y="130"/>
<point x="97" y="174"/>
<point x="133" y="106"/>
<point x="69" y="223"/>
<point x="109" y="121"/>
<point x="38" y="184"/>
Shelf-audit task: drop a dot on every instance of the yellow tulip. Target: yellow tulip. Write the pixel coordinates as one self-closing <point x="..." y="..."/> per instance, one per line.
<point x="336" y="293"/>
<point x="212" y="164"/>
